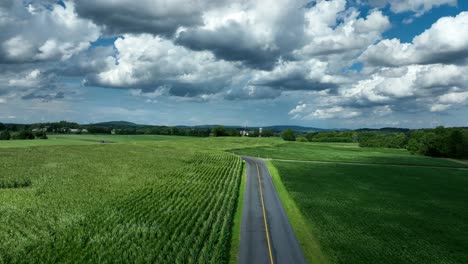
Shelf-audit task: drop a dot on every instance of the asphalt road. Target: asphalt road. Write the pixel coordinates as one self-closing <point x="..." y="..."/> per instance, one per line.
<point x="266" y="234"/>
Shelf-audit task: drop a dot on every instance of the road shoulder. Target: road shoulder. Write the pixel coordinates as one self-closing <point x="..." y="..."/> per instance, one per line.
<point x="302" y="229"/>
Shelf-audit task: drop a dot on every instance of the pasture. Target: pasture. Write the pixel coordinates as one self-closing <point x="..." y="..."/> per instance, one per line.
<point x="342" y="152"/>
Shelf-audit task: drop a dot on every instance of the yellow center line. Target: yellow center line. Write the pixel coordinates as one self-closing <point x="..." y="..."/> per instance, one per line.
<point x="264" y="216"/>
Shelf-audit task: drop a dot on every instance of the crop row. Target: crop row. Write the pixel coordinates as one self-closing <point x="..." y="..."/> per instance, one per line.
<point x="183" y="217"/>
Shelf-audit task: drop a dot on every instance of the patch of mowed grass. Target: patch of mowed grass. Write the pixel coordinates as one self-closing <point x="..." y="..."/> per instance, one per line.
<point x="118" y="203"/>
<point x="41" y="142"/>
<point x="343" y="152"/>
<point x="382" y="214"/>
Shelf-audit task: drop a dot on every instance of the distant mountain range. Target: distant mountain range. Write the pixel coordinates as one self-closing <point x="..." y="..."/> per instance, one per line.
<point x="275" y="128"/>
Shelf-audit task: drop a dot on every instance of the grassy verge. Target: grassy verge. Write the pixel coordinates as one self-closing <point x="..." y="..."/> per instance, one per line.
<point x="302" y="229"/>
<point x="236" y="229"/>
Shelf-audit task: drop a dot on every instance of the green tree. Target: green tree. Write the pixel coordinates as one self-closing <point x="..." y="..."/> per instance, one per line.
<point x="288" y="135"/>
<point x="233" y="132"/>
<point x="219" y="131"/>
<point x="5" y="135"/>
<point x="302" y="139"/>
<point x="267" y="133"/>
<point x="2" y="126"/>
<point x="456" y="144"/>
<point x="24" y="134"/>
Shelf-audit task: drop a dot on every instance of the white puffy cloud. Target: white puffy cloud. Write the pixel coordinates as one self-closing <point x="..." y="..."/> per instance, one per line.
<point x="30" y="34"/>
<point x="329" y="29"/>
<point x="255" y="32"/>
<point x="414" y="88"/>
<point x="445" y="42"/>
<point x="417" y="6"/>
<point x="298" y="75"/>
<point x="310" y="111"/>
<point x="29" y="84"/>
<point x="149" y="63"/>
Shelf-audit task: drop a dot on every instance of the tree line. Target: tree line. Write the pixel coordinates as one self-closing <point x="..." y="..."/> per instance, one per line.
<point x="437" y="142"/>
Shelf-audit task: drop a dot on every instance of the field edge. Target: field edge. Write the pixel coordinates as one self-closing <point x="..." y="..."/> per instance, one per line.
<point x="236" y="227"/>
<point x="304" y="234"/>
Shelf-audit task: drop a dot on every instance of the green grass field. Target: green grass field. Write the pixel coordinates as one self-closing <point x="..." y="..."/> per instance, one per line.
<point x="84" y="139"/>
<point x="382" y="214"/>
<point x="342" y="152"/>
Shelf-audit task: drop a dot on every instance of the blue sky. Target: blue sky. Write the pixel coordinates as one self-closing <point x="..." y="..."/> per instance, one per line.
<point x="324" y="63"/>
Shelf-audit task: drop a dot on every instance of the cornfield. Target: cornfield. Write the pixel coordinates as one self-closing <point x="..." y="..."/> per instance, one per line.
<point x="184" y="216"/>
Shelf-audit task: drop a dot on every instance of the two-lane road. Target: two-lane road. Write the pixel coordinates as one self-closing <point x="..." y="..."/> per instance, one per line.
<point x="266" y="234"/>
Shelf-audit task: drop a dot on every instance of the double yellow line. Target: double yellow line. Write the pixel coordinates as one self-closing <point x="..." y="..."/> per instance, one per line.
<point x="264" y="216"/>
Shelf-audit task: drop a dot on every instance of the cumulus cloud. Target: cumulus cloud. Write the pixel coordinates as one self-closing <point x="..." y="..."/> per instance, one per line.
<point x="250" y="92"/>
<point x="310" y="112"/>
<point x="237" y="50"/>
<point x="149" y="63"/>
<point x="298" y="75"/>
<point x="30" y="84"/>
<point x="418" y="7"/>
<point x="255" y="32"/>
<point x="445" y="42"/>
<point x="159" y="17"/>
<point x="325" y="34"/>
<point x="414" y="88"/>
<point x="30" y="33"/>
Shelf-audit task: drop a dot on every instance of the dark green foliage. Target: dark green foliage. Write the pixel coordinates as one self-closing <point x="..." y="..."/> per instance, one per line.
<point x="233" y="132"/>
<point x="2" y="127"/>
<point x="219" y="131"/>
<point x="14" y="183"/>
<point x="439" y="142"/>
<point x="382" y="214"/>
<point x="380" y="140"/>
<point x="99" y="130"/>
<point x="254" y="133"/>
<point x="267" y="133"/>
<point x="5" y="135"/>
<point x="41" y="135"/>
<point x="301" y="139"/>
<point x="24" y="134"/>
<point x="288" y="135"/>
<point x="331" y="136"/>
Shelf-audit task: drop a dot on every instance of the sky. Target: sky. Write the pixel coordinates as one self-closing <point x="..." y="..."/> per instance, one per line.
<point x="322" y="63"/>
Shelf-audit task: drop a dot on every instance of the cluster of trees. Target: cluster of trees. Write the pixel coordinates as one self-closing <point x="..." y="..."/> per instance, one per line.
<point x="288" y="135"/>
<point x="22" y="134"/>
<point x="332" y="136"/>
<point x="382" y="140"/>
<point x="438" y="142"/>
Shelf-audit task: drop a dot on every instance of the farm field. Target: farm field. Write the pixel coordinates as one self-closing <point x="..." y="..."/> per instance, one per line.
<point x="378" y="213"/>
<point x="116" y="203"/>
<point x="342" y="152"/>
<point x="83" y="139"/>
<point x="169" y="199"/>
